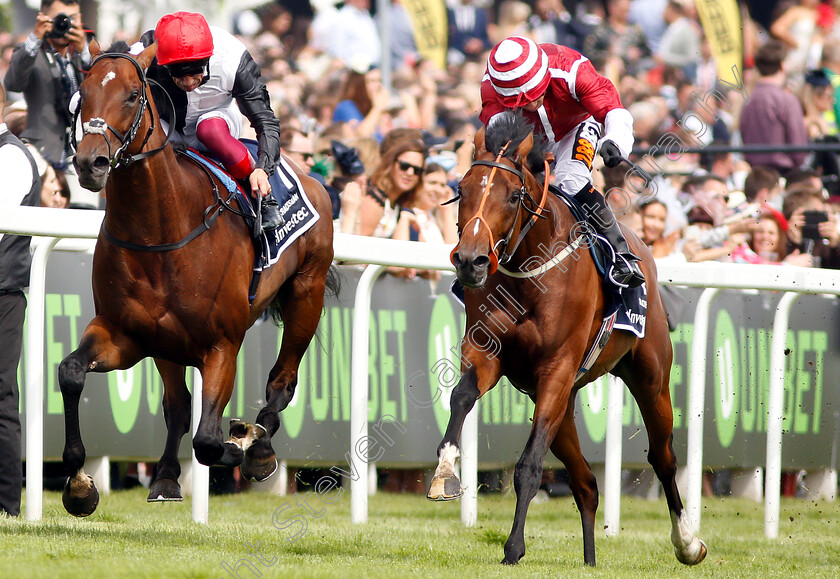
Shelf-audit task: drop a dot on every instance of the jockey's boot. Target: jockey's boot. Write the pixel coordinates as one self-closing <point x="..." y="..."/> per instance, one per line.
<point x="625" y="271"/>
<point x="270" y="214"/>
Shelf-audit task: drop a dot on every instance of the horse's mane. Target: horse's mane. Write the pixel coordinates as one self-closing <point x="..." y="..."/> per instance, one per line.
<point x="119" y="46"/>
<point x="511" y="126"/>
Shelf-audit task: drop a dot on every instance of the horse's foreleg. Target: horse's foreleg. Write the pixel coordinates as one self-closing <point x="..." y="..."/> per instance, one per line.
<point x="176" y="412"/>
<point x="445" y="484"/>
<point x="566" y="447"/>
<point x="481" y="375"/>
<point x="654" y="401"/>
<point x="548" y="414"/>
<point x="101" y="349"/>
<point x="218" y="370"/>
<point x="303" y="300"/>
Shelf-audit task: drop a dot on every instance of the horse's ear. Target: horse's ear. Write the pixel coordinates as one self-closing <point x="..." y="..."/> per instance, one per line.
<point x="548" y="157"/>
<point x="525" y="147"/>
<point x="480" y="147"/>
<point x="144" y="59"/>
<point x="95" y="49"/>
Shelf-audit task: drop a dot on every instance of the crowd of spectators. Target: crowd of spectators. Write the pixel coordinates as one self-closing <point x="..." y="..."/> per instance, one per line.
<point x="326" y="86"/>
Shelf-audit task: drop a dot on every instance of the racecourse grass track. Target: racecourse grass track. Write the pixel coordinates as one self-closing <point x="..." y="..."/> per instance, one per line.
<point x="408" y="536"/>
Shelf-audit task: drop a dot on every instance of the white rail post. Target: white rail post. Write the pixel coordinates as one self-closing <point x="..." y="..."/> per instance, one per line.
<point x="35" y="381"/>
<point x="359" y="392"/>
<point x="612" y="459"/>
<point x="469" y="468"/>
<point x="200" y="473"/>
<point x="696" y="404"/>
<point x="775" y="412"/>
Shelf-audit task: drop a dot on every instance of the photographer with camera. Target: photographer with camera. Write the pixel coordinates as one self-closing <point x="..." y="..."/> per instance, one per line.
<point x="47" y="68"/>
<point x="813" y="227"/>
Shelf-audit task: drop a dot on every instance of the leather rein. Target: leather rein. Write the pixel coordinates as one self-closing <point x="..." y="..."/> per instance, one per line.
<point x="122" y="158"/>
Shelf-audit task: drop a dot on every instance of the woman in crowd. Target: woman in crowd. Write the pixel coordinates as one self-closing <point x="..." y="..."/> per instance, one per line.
<point x="654" y="215"/>
<point x="768" y="243"/>
<point x="433" y="222"/>
<point x="817" y="98"/>
<point x="393" y="182"/>
<point x="363" y="101"/>
<point x="55" y="192"/>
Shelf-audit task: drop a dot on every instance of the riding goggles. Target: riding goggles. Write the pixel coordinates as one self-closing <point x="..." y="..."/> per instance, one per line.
<point x="188" y="68"/>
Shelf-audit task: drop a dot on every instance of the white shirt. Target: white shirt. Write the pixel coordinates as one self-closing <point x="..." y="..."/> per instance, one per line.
<point x="354" y="38"/>
<point x="17" y="175"/>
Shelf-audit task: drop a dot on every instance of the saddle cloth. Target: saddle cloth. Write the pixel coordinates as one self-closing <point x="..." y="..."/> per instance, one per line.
<point x="629" y="303"/>
<point x="295" y="207"/>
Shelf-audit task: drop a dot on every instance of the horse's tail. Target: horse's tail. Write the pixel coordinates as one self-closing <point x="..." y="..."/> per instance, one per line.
<point x="333" y="283"/>
<point x="332" y="289"/>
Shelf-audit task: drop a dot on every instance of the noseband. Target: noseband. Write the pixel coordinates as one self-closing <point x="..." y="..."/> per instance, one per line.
<point x="99" y="126"/>
<point x="504" y="244"/>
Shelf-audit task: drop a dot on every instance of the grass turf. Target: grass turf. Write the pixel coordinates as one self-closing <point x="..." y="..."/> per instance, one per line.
<point x="407" y="536"/>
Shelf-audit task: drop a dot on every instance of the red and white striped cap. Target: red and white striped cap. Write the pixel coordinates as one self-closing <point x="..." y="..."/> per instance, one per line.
<point x="518" y="70"/>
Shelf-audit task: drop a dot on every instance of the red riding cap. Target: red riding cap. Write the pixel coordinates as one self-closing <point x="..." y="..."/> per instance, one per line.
<point x="183" y="36"/>
<point x="518" y="70"/>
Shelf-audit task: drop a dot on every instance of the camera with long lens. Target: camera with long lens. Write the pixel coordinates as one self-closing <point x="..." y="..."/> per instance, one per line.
<point x="61" y="25"/>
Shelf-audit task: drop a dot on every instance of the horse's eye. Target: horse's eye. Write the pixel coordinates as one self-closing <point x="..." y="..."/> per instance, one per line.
<point x="133" y="96"/>
<point x="515" y="198"/>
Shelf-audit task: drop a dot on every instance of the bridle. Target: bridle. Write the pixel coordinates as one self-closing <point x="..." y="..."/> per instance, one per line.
<point x="122" y="158"/>
<point x="502" y="250"/>
<point x="99" y="126"/>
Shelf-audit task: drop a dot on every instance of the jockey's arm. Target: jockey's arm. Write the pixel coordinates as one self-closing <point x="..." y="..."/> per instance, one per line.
<point x="252" y="97"/>
<point x="599" y="97"/>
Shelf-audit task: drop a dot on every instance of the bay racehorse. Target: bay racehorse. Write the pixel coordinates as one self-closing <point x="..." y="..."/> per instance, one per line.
<point x="540" y="344"/>
<point x="171" y="275"/>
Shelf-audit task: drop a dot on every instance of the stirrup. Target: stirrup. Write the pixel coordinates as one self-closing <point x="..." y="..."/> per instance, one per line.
<point x="625" y="272"/>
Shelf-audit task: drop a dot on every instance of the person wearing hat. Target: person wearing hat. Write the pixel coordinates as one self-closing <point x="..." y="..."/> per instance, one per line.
<point x="350" y="182"/>
<point x="208" y="72"/>
<point x="558" y="90"/>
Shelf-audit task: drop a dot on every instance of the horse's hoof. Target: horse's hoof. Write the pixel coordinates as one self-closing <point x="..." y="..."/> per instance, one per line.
<point x="692" y="556"/>
<point x="238" y="428"/>
<point x="244" y="434"/>
<point x="164" y="489"/>
<point x="258" y="470"/>
<point x="80" y="497"/>
<point x="511" y="560"/>
<point x="445" y="488"/>
<point x="233" y="455"/>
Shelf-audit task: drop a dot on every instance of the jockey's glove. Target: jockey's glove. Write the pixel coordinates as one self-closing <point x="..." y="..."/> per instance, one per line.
<point x="610" y="154"/>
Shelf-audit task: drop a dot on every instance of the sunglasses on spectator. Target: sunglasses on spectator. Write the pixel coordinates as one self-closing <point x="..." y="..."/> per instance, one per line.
<point x="404" y="167"/>
<point x="306" y="156"/>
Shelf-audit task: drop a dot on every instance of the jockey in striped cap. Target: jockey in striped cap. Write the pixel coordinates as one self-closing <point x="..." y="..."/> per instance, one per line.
<point x="558" y="90"/>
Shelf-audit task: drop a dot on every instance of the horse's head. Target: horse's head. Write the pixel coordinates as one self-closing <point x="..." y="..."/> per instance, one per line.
<point x="495" y="197"/>
<point x="113" y="100"/>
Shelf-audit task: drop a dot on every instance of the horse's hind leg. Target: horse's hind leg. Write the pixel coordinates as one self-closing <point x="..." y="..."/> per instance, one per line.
<point x="566" y="447"/>
<point x="101" y="349"/>
<point x="303" y="296"/>
<point x="176" y="411"/>
<point x="648" y="382"/>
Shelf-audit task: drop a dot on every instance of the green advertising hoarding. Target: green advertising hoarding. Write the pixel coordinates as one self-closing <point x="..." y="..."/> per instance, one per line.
<point x="415" y="331"/>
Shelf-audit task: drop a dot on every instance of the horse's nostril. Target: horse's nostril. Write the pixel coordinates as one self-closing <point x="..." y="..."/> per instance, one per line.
<point x="101" y="163"/>
<point x="481" y="261"/>
<point x="456" y="259"/>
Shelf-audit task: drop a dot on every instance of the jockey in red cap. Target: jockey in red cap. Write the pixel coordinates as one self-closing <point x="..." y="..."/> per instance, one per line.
<point x="211" y="77"/>
<point x="559" y="92"/>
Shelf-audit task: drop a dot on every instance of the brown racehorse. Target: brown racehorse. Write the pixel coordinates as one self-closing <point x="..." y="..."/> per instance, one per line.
<point x="179" y="293"/>
<point x="540" y="343"/>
